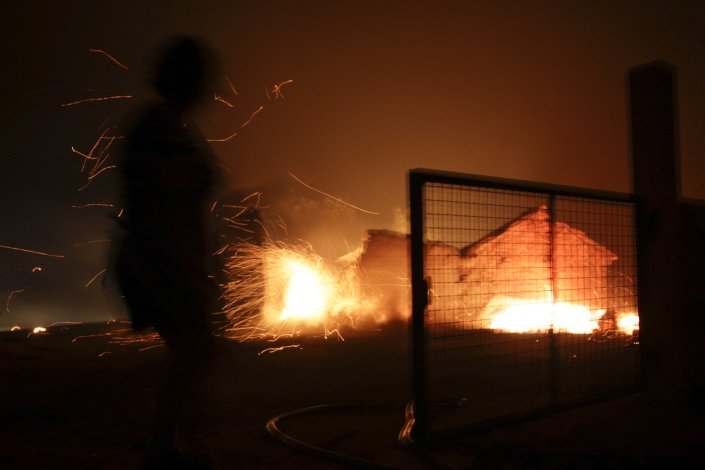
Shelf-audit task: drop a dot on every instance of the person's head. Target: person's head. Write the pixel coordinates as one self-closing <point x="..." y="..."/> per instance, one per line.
<point x="184" y="71"/>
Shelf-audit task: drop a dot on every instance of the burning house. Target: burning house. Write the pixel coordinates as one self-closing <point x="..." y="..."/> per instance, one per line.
<point x="531" y="274"/>
<point x="534" y="264"/>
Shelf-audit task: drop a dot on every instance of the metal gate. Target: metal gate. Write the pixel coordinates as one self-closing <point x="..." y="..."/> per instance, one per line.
<point x="524" y="299"/>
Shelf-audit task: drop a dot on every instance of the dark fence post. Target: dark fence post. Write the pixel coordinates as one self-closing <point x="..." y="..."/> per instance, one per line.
<point x="419" y="302"/>
<point x="670" y="232"/>
<point x="656" y="185"/>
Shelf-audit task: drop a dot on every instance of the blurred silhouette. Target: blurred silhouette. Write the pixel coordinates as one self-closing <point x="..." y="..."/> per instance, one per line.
<point x="162" y="264"/>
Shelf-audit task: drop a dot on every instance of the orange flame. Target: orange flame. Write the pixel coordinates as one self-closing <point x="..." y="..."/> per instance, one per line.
<point x="517" y="315"/>
<point x="280" y="290"/>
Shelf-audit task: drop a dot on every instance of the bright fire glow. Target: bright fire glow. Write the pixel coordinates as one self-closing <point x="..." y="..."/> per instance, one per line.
<point x="628" y="322"/>
<point x="522" y="316"/>
<point x="307" y="292"/>
<point x="282" y="290"/>
<point x="515" y="315"/>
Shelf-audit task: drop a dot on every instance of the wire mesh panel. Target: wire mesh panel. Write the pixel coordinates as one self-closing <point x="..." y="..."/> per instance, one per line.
<point x="524" y="299"/>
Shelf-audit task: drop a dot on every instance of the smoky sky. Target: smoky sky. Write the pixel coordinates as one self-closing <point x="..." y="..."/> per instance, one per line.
<point x="525" y="90"/>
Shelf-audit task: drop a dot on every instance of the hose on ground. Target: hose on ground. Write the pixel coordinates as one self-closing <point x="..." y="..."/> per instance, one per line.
<point x="404" y="435"/>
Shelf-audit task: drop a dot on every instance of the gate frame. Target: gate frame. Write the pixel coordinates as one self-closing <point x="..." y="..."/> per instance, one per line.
<point x="417" y="179"/>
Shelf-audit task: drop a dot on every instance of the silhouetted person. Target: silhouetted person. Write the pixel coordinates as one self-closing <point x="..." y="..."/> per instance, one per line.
<point x="162" y="266"/>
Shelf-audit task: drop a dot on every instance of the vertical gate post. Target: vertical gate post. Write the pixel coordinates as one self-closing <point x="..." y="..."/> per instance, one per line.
<point x="419" y="301"/>
<point x="656" y="181"/>
<point x="670" y="235"/>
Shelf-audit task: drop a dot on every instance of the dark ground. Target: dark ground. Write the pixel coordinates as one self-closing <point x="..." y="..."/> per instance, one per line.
<point x="64" y="406"/>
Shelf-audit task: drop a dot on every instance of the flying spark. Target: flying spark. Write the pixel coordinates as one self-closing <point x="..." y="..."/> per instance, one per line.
<point x="225" y="139"/>
<point x="58" y="323"/>
<point x="252" y="116"/>
<point x="223" y="100"/>
<point x="117" y="62"/>
<point x="110" y="333"/>
<point x="94" y="204"/>
<point x="25" y="250"/>
<point x="89" y="155"/>
<point x="333" y="197"/>
<point x="280" y="348"/>
<point x="101" y="159"/>
<point x="277" y="90"/>
<point x="100" y="98"/>
<point x="232" y="88"/>
<point x="9" y="297"/>
<point x="95" y="277"/>
<point x="91" y="242"/>
<point x="102" y="170"/>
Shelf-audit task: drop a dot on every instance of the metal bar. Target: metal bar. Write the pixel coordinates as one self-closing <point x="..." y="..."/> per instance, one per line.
<point x="517" y="185"/>
<point x="554" y="361"/>
<point x="419" y="301"/>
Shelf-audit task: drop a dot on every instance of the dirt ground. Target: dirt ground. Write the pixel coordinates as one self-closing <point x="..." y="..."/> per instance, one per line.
<point x="63" y="404"/>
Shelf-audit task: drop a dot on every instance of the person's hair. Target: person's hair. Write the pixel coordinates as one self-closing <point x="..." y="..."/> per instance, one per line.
<point x="184" y="69"/>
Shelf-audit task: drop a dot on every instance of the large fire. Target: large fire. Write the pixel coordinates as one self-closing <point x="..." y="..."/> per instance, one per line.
<point x="516" y="315"/>
<point x="281" y="290"/>
<point x="307" y="293"/>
